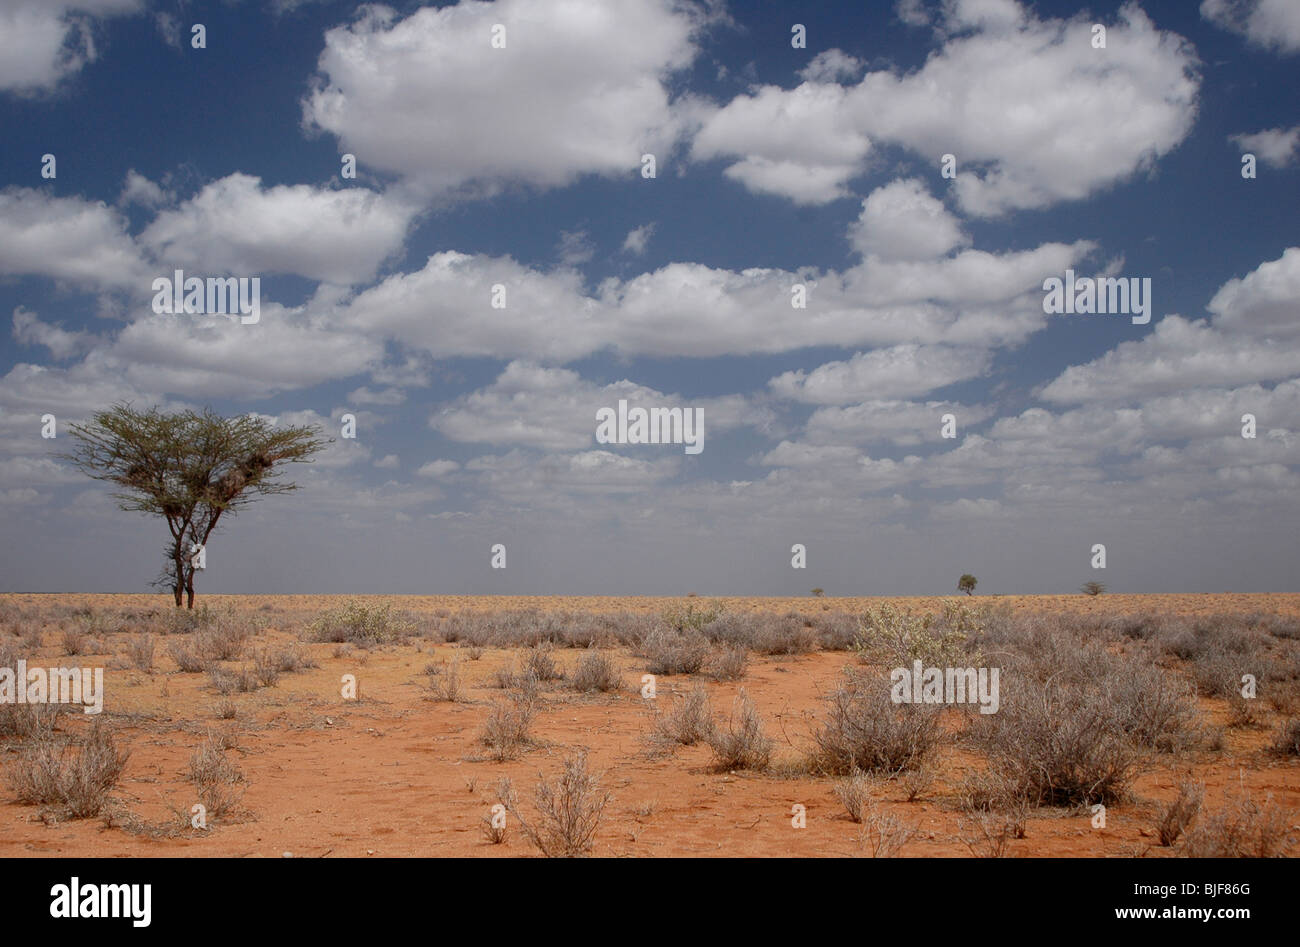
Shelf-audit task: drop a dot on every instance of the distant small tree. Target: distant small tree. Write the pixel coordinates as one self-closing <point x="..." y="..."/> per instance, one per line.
<point x="190" y="469"/>
<point x="967" y="584"/>
<point x="1092" y="588"/>
<point x="819" y="592"/>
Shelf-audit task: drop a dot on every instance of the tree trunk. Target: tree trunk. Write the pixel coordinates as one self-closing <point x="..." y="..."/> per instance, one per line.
<point x="179" y="586"/>
<point x="189" y="587"/>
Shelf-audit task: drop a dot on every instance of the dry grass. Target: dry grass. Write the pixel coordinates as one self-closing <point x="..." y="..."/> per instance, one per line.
<point x="1240" y="829"/>
<point x="741" y="744"/>
<point x="506" y="729"/>
<point x="218" y="780"/>
<point x="75" y="783"/>
<point x="1177" y="816"/>
<point x="569" y="810"/>
<point x="866" y="730"/>
<point x="596" y="671"/>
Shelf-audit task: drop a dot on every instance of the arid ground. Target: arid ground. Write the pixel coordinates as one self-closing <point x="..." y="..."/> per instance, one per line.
<point x="243" y="706"/>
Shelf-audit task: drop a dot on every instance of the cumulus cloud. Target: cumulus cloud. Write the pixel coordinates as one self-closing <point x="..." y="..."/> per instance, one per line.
<point x="638" y="239"/>
<point x="902" y="371"/>
<point x="803" y="144"/>
<point x="138" y="189"/>
<point x="580" y="88"/>
<point x="1252" y="337"/>
<point x="555" y="409"/>
<point x="234" y="225"/>
<point x="831" y="65"/>
<point x="67" y="238"/>
<point x="906" y="423"/>
<point x="62" y="344"/>
<point x="1025" y="105"/>
<point x="1271" y="24"/>
<point x="901" y="221"/>
<point x="1276" y="147"/>
<point x="438" y="468"/>
<point x="45" y="41"/>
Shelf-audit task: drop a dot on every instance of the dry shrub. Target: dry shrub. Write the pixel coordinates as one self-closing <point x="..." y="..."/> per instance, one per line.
<point x="729" y="664"/>
<point x="568" y="810"/>
<point x="75" y="641"/>
<point x="139" y="651"/>
<point x="188" y="656"/>
<point x="505" y="731"/>
<point x="1059" y="743"/>
<point x="541" y="665"/>
<point x="446" y="686"/>
<point x="596" y="671"/>
<point x="1155" y="708"/>
<point x="218" y="780"/>
<point x="917" y="780"/>
<point x="360" y="623"/>
<point x="988" y="834"/>
<point x="1288" y="739"/>
<point x="1177" y="817"/>
<point x="29" y="721"/>
<point x="866" y="730"/>
<point x="291" y="658"/>
<point x="688" y="723"/>
<point x="741" y="744"/>
<point x="245" y="680"/>
<point x="854" y="791"/>
<point x="76" y="784"/>
<point x="1241" y="829"/>
<point x="883" y="835"/>
<point x="493" y="825"/>
<point x="896" y="638"/>
<point x="670" y="652"/>
<point x="790" y="634"/>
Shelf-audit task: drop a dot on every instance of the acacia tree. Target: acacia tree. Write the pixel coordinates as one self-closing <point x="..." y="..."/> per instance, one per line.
<point x="967" y="584"/>
<point x="189" y="468"/>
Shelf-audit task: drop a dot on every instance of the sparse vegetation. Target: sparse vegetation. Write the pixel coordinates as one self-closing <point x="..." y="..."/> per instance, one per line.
<point x="73" y="779"/>
<point x="569" y="810"/>
<point x="741" y="744"/>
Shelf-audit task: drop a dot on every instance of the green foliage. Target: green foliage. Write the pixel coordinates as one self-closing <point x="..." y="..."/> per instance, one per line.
<point x="967" y="583"/>
<point x="897" y="638"/>
<point x="691" y="618"/>
<point x="189" y="468"/>
<point x="360" y="623"/>
<point x="1092" y="588"/>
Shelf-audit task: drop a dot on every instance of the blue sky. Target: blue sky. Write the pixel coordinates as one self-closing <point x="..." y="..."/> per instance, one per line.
<point x="775" y="165"/>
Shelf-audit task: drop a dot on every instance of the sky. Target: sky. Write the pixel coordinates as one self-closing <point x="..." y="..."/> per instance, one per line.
<point x="798" y="156"/>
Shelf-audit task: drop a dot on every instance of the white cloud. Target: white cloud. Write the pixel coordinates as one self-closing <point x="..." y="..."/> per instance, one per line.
<point x="438" y="468"/>
<point x="45" y="41"/>
<point x="234" y="225"/>
<point x="831" y="65"/>
<point x="802" y="144"/>
<point x="1271" y="24"/>
<point x="1251" y="338"/>
<point x="30" y="330"/>
<point x="138" y="189"/>
<point x="67" y="238"/>
<point x="638" y="238"/>
<point x="901" y="221"/>
<point x="555" y="409"/>
<point x="1026" y="106"/>
<point x="579" y="88"/>
<point x="1276" y="147"/>
<point x="902" y="371"/>
<point x="906" y="423"/>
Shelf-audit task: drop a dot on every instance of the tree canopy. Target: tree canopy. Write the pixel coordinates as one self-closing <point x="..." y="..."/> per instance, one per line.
<point x="190" y="468"/>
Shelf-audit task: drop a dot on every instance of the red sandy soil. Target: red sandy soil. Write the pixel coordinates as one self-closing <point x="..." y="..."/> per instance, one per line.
<point x="398" y="774"/>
